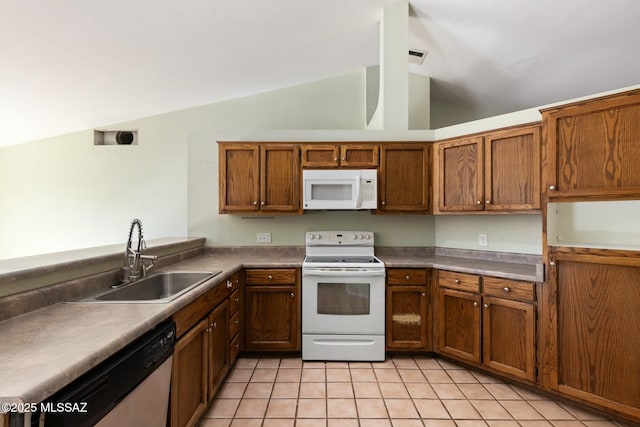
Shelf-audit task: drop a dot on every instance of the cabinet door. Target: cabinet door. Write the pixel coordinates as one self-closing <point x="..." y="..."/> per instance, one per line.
<point x="595" y="320"/>
<point x="189" y="376"/>
<point x="591" y="148"/>
<point x="404" y="178"/>
<point x="407" y="317"/>
<point x="461" y="175"/>
<point x="239" y="177"/>
<point x="272" y="316"/>
<point x="320" y="156"/>
<point x="359" y="156"/>
<point x="218" y="346"/>
<point x="512" y="170"/>
<point x="280" y="178"/>
<point x="459" y="324"/>
<point x="508" y="337"/>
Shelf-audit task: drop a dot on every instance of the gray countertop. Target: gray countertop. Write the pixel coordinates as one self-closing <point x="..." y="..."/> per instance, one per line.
<point x="44" y="350"/>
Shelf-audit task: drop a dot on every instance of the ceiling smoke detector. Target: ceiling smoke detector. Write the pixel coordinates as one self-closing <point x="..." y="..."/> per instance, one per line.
<point x="417" y="56"/>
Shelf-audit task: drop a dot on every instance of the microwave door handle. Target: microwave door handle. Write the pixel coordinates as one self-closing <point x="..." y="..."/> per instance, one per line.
<point x="358" y="195"/>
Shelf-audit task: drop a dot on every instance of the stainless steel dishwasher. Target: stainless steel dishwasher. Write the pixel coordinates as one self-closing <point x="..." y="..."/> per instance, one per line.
<point x="131" y="388"/>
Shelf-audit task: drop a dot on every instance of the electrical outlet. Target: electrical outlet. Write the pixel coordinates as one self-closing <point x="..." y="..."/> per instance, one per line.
<point x="483" y="240"/>
<point x="263" y="237"/>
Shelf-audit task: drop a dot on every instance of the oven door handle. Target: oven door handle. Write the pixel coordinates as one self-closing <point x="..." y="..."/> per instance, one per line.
<point x="343" y="273"/>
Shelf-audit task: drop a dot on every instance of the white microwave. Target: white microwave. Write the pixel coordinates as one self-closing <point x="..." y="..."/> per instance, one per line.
<point x="342" y="189"/>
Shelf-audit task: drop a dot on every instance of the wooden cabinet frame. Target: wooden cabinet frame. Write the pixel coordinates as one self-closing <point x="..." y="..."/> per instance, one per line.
<point x="340" y="155"/>
<point x="600" y="163"/>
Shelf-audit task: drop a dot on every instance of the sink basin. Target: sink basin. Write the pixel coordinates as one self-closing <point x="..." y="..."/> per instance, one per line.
<point x="160" y="287"/>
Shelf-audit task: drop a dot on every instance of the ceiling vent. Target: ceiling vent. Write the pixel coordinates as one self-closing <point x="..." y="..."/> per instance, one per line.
<point x="417" y="56"/>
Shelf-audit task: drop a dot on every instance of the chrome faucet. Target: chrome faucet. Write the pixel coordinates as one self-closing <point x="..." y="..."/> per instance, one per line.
<point x="134" y="266"/>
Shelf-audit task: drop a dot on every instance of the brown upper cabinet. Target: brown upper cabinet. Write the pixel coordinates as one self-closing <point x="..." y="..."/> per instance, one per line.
<point x="591" y="149"/>
<point x="259" y="178"/>
<point x="494" y="172"/>
<point x="340" y="155"/>
<point x="404" y="178"/>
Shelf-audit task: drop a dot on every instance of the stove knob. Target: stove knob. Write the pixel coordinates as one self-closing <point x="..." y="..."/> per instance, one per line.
<point x="354" y="237"/>
<point x="312" y="236"/>
<point x="318" y="236"/>
<point x="368" y="237"/>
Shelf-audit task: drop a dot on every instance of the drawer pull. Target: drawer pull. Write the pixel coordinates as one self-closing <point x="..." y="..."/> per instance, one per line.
<point x="486" y="306"/>
<point x="424" y="294"/>
<point x="457" y="282"/>
<point x="236" y="322"/>
<point x="236" y="299"/>
<point x="229" y="284"/>
<point x="552" y="187"/>
<point x="270" y="277"/>
<point x="407" y="277"/>
<point x="475" y="304"/>
<point x="506" y="289"/>
<point x="488" y="202"/>
<point x="478" y="202"/>
<point x="292" y="295"/>
<point x="552" y="263"/>
<point x="214" y="325"/>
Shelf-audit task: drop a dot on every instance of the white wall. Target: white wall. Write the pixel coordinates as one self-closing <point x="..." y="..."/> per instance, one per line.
<point x="506" y="233"/>
<point x="65" y="193"/>
<point x="613" y="225"/>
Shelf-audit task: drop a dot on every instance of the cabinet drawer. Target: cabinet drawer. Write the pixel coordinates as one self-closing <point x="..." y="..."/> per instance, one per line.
<point x="406" y="276"/>
<point x="234" y="303"/>
<point x="234" y="324"/>
<point x="461" y="281"/>
<point x="234" y="349"/>
<point x="509" y="289"/>
<point x="268" y="277"/>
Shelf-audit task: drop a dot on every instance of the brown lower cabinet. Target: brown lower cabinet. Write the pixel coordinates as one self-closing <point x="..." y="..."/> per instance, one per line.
<point x="594" y="328"/>
<point x="272" y="310"/>
<point x="203" y="352"/>
<point x="487" y="321"/>
<point x="408" y="310"/>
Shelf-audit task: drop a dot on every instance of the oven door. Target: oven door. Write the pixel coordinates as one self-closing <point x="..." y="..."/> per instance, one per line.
<point x="343" y="302"/>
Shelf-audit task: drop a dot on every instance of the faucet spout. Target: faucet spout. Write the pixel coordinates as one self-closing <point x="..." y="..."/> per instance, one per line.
<point x="134" y="266"/>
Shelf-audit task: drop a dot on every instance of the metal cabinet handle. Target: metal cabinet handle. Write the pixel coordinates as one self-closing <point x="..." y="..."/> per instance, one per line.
<point x="214" y="325"/>
<point x="507" y="289"/>
<point x="424" y="294"/>
<point x="552" y="187"/>
<point x="475" y="304"/>
<point x="236" y="346"/>
<point x="236" y="322"/>
<point x="229" y="284"/>
<point x="383" y="203"/>
<point x="335" y="159"/>
<point x="270" y="277"/>
<point x="236" y="299"/>
<point x="488" y="202"/>
<point x="552" y="263"/>
<point x="344" y="158"/>
<point x="486" y="306"/>
<point x="407" y="277"/>
<point x="457" y="282"/>
<point x="292" y="295"/>
<point x="478" y="202"/>
<point x="255" y="203"/>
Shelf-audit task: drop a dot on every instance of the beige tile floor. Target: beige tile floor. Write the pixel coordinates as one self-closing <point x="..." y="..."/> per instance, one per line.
<point x="400" y="392"/>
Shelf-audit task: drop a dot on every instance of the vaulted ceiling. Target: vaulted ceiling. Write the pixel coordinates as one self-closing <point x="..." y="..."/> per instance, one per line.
<point x="69" y="65"/>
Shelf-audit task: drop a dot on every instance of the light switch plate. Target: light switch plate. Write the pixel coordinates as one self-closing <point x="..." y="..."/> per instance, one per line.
<point x="263" y="237"/>
<point x="483" y="240"/>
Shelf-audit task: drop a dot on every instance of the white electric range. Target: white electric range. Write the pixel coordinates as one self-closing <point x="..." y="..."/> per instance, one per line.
<point x="343" y="297"/>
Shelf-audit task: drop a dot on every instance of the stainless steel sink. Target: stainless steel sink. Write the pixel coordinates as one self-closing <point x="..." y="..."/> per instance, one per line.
<point x="157" y="288"/>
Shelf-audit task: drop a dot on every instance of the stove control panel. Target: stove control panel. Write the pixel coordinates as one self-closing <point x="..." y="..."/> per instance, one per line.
<point x="339" y="238"/>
